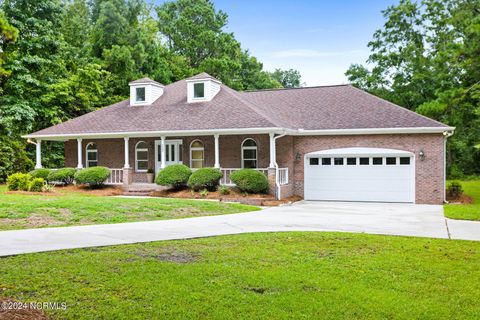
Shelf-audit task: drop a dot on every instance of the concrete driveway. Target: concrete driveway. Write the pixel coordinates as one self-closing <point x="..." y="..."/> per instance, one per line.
<point x="375" y="218"/>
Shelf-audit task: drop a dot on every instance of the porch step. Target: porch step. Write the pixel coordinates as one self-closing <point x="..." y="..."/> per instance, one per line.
<point x="143" y="188"/>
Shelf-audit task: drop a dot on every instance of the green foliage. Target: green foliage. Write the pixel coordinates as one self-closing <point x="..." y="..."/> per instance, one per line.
<point x="63" y="175"/>
<point x="19" y="181"/>
<point x="205" y="178"/>
<point x="175" y="175"/>
<point x="426" y="59"/>
<point x="288" y="78"/>
<point x="13" y="157"/>
<point x="224" y="190"/>
<point x="203" y="193"/>
<point x="36" y="185"/>
<point x="250" y="181"/>
<point x="454" y="190"/>
<point x="8" y="34"/>
<point x="40" y="173"/>
<point x="94" y="176"/>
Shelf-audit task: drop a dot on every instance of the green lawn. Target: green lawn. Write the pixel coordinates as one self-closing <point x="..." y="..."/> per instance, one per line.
<point x="466" y="211"/>
<point x="19" y="211"/>
<point x="256" y="276"/>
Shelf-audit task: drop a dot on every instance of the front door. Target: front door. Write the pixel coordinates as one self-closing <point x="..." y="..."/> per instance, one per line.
<point x="173" y="153"/>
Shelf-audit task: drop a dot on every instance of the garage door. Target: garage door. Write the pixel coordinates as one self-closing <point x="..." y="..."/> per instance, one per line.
<point x="360" y="174"/>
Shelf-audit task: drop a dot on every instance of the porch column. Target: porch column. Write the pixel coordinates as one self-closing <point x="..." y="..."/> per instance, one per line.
<point x="79" y="153"/>
<point x="38" y="162"/>
<point x="127" y="164"/>
<point x="217" y="151"/>
<point x="164" y="154"/>
<point x="272" y="151"/>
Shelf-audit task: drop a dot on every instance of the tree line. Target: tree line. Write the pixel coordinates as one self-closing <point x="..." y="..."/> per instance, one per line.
<point x="61" y="59"/>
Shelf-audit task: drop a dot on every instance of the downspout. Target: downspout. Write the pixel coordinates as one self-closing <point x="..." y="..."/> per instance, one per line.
<point x="277" y="183"/>
<point x="446" y="135"/>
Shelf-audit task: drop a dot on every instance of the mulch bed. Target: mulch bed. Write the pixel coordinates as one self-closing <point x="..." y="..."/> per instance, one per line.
<point x="11" y="309"/>
<point x="464" y="199"/>
<point x="234" y="196"/>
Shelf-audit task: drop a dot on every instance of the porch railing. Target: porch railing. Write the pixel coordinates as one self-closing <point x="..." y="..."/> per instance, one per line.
<point x="282" y="177"/>
<point x="225" y="180"/>
<point x="116" y="177"/>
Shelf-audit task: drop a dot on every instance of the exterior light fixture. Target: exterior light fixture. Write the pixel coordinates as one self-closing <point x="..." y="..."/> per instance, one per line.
<point x="298" y="157"/>
<point x="421" y="154"/>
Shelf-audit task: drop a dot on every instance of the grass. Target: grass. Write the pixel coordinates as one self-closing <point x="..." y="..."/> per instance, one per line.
<point x="261" y="276"/>
<point x="466" y="211"/>
<point x="19" y="211"/>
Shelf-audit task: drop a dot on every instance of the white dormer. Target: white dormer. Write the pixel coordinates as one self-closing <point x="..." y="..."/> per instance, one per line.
<point x="202" y="88"/>
<point x="144" y="91"/>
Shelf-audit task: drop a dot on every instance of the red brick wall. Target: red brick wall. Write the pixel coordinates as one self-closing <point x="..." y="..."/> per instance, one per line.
<point x="429" y="173"/>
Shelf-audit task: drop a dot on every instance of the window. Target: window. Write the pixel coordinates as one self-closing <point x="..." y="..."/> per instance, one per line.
<point x="196" y="154"/>
<point x="249" y="154"/>
<point x="338" y="161"/>
<point x="199" y="90"/>
<point x="364" y="161"/>
<point x="92" y="155"/>
<point x="391" y="161"/>
<point x="140" y="94"/>
<point x="377" y="161"/>
<point x="326" y="161"/>
<point x="351" y="161"/>
<point x="314" y="161"/>
<point x="404" y="160"/>
<point x="141" y="156"/>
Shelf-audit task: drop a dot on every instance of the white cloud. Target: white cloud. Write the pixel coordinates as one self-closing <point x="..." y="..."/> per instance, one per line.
<point x="307" y="53"/>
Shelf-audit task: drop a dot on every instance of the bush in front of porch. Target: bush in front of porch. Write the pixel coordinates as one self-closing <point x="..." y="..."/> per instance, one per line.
<point x="250" y="181"/>
<point x="205" y="178"/>
<point x="94" y="177"/>
<point x="176" y="176"/>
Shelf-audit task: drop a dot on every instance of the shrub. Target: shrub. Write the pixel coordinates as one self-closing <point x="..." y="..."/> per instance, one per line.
<point x="175" y="175"/>
<point x="40" y="173"/>
<point x="19" y="181"/>
<point x="454" y="190"/>
<point x="205" y="178"/>
<point x="224" y="190"/>
<point x="250" y="181"/>
<point x="94" y="176"/>
<point x="203" y="193"/>
<point x="64" y="175"/>
<point x="36" y="185"/>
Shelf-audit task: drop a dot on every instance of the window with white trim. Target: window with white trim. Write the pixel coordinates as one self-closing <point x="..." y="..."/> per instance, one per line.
<point x="249" y="154"/>
<point x="91" y="155"/>
<point x="197" y="152"/>
<point x="199" y="90"/>
<point x="140" y="94"/>
<point x="141" y="156"/>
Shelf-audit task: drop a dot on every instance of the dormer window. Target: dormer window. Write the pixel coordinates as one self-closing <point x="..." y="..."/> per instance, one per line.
<point x="199" y="90"/>
<point x="140" y="94"/>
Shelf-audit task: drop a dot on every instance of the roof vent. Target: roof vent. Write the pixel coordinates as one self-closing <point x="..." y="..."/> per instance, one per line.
<point x="144" y="91"/>
<point x="202" y="88"/>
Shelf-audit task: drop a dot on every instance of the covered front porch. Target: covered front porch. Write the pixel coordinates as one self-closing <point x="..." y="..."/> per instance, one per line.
<point x="136" y="160"/>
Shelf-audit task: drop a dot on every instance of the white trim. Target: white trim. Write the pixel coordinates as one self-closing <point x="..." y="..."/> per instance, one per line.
<point x="197" y="149"/>
<point x="38" y="156"/>
<point x="91" y="151"/>
<point x="136" y="158"/>
<point x="249" y="148"/>
<point x="79" y="154"/>
<point x="232" y="131"/>
<point x="204" y="79"/>
<point x="126" y="165"/>
<point x="217" y="150"/>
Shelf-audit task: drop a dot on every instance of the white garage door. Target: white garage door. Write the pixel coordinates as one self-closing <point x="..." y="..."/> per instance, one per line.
<point x="360" y="174"/>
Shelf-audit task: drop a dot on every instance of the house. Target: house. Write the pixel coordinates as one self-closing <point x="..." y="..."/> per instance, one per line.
<point x="322" y="143"/>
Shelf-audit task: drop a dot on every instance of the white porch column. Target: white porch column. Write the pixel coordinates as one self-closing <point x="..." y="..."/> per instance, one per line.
<point x="217" y="151"/>
<point x="79" y="153"/>
<point x="164" y="154"/>
<point x="272" y="151"/>
<point x="38" y="162"/>
<point x="127" y="161"/>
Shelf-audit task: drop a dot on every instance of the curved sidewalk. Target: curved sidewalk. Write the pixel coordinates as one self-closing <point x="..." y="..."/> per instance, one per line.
<point x="374" y="218"/>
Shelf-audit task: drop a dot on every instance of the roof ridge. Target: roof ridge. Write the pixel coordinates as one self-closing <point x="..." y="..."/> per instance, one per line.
<point x="299" y="88"/>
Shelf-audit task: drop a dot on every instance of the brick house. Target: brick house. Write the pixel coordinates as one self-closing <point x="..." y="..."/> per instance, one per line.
<point x="322" y="143"/>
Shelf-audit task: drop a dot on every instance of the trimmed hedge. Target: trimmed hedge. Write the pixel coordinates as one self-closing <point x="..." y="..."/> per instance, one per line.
<point x="250" y="181"/>
<point x="64" y="175"/>
<point x="19" y="181"/>
<point x="176" y="175"/>
<point x="40" y="173"/>
<point x="94" y="176"/>
<point x="36" y="185"/>
<point x="205" y="178"/>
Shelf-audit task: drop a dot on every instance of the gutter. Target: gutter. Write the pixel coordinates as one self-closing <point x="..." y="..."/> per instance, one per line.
<point x="446" y="135"/>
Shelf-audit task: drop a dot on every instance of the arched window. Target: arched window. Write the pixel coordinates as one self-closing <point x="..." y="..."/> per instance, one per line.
<point x="197" y="152"/>
<point x="91" y="155"/>
<point x="141" y="156"/>
<point x="249" y="153"/>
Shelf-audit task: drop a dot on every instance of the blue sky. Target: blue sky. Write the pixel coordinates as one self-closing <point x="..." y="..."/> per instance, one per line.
<point x="318" y="38"/>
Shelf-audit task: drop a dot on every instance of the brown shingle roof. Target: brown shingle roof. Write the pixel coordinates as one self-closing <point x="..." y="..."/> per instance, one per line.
<point x="145" y="80"/>
<point x="314" y="108"/>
